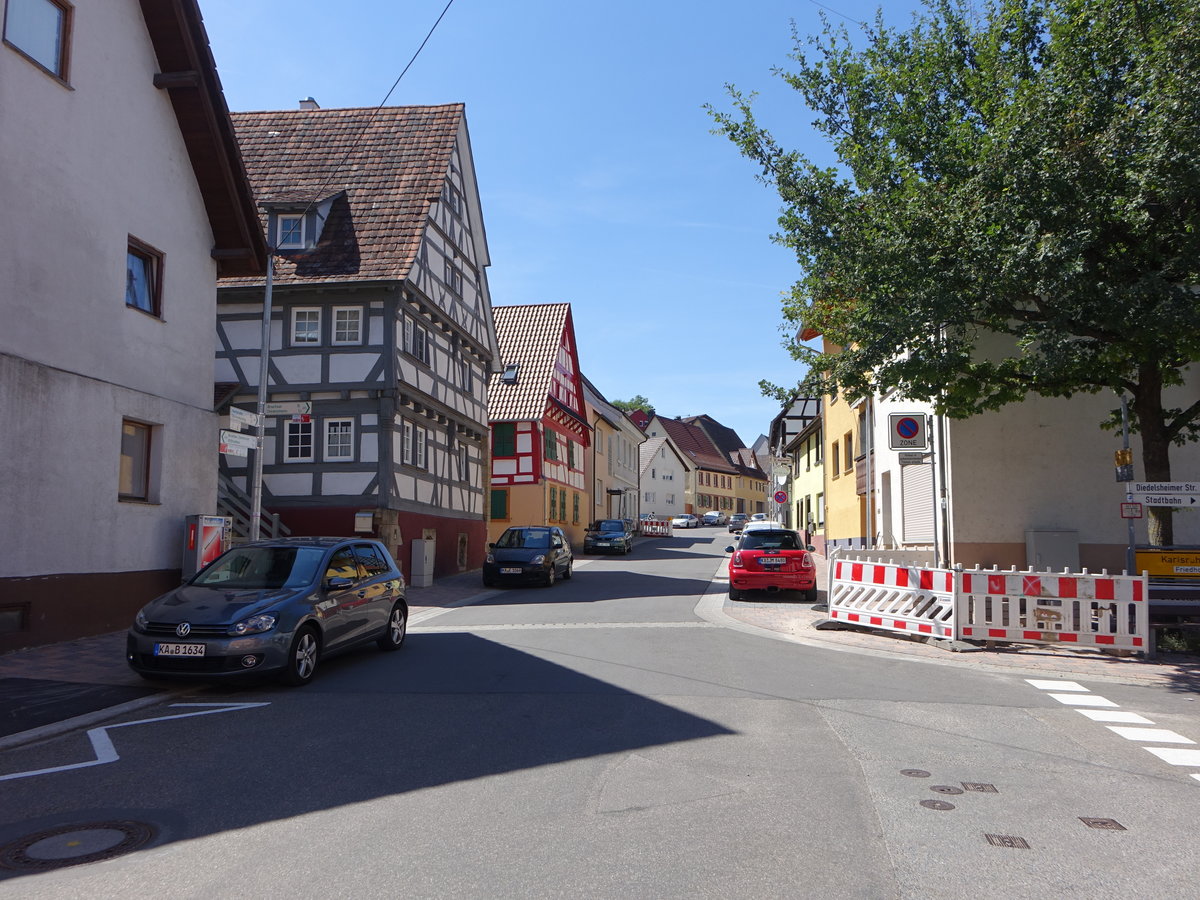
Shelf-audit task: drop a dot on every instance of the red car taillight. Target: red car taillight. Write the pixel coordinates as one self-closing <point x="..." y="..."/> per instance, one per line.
<point x="806" y="561"/>
<point x="737" y="559"/>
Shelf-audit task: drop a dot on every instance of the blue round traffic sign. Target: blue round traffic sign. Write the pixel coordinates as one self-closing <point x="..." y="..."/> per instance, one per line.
<point x="781" y="496"/>
<point x="908" y="427"/>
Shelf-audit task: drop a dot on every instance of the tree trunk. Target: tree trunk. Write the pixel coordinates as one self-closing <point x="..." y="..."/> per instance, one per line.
<point x="1156" y="462"/>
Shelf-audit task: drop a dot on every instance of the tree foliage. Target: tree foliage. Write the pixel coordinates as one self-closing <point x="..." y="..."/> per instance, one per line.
<point x="1016" y="207"/>
<point x="633" y="404"/>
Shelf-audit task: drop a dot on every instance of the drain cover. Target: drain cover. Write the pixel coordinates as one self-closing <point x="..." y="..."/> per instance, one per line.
<point x="1104" y="824"/>
<point x="74" y="845"/>
<point x="1007" y="840"/>
<point x="946" y="789"/>
<point x="981" y="788"/>
<point x="914" y="773"/>
<point x="937" y="804"/>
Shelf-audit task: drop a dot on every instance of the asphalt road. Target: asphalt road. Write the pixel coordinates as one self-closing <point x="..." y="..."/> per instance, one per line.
<point x="608" y="737"/>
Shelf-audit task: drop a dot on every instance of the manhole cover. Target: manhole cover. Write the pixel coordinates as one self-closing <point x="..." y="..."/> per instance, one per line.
<point x="946" y="789"/>
<point x="914" y="773"/>
<point x="1103" y="824"/>
<point x="1007" y="840"/>
<point x="74" y="845"/>
<point x="937" y="804"/>
<point x="977" y="786"/>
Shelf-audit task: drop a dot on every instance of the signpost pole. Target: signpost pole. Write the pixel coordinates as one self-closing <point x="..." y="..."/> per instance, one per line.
<point x="264" y="358"/>
<point x="937" y="552"/>
<point x="1130" y="556"/>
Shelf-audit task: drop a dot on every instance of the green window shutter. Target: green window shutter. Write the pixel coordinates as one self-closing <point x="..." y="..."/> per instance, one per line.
<point x="551" y="443"/>
<point x="571" y="456"/>
<point x="504" y="439"/>
<point x="576" y="516"/>
<point x="499" y="504"/>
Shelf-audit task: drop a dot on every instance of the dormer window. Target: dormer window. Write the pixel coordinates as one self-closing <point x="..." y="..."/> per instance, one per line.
<point x="510" y="373"/>
<point x="291" y="231"/>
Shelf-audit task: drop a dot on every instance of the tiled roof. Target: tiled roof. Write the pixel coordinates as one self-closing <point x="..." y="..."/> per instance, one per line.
<point x="390" y="162"/>
<point x="528" y="336"/>
<point x="696" y="445"/>
<point x="728" y="443"/>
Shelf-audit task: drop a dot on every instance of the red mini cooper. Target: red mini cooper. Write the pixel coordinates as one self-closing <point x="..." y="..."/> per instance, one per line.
<point x="771" y="560"/>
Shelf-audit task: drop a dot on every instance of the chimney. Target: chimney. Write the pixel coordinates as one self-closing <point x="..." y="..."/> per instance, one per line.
<point x="309" y="103"/>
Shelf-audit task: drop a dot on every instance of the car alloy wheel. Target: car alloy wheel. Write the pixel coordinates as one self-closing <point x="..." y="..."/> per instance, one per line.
<point x="397" y="628"/>
<point x="302" y="657"/>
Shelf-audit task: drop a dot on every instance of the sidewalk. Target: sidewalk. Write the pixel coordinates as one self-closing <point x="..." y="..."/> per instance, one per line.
<point x="49" y="689"/>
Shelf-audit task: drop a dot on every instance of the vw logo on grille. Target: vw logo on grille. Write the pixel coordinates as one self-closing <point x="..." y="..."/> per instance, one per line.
<point x="183" y="629"/>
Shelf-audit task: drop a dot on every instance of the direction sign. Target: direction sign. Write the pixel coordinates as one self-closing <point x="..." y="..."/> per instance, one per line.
<point x="906" y="431"/>
<point x="781" y="496"/>
<point x="289" y="408"/>
<point x="1166" y="487"/>
<point x="239" y="418"/>
<point x="235" y="443"/>
<point x="1184" y="501"/>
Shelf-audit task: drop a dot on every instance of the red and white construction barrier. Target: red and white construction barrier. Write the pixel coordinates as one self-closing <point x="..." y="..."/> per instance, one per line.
<point x="1043" y="607"/>
<point x="656" y="527"/>
<point x="893" y="597"/>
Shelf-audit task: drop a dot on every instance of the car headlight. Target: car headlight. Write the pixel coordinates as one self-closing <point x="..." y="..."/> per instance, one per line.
<point x="491" y="557"/>
<point x="140" y="622"/>
<point x="253" y="625"/>
<point x="538" y="560"/>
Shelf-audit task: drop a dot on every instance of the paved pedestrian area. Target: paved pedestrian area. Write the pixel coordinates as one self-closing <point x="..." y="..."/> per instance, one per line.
<point x="61" y="685"/>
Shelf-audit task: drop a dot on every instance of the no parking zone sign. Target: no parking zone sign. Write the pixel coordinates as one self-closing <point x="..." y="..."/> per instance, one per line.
<point x="907" y="431"/>
<point x="781" y="496"/>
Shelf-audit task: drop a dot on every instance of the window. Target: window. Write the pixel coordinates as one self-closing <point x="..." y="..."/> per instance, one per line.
<point x="670" y="499"/>
<point x="143" y="278"/>
<point x="511" y="371"/>
<point x="291" y="231"/>
<point x="416" y="340"/>
<point x="451" y="197"/>
<point x="339" y="439"/>
<point x="649" y="495"/>
<point x="820" y="505"/>
<point x="454" y="279"/>
<point x="848" y="440"/>
<point x="371" y="560"/>
<point x="468" y="375"/>
<point x="298" y="442"/>
<point x="347" y="325"/>
<point x="499" y="504"/>
<point x="464" y="463"/>
<point x="135" y="461"/>
<point x="835" y="454"/>
<point x="570" y="454"/>
<point x="504" y="439"/>
<point x="653" y="473"/>
<point x="306" y="325"/>
<point x="415" y="440"/>
<point x="553" y="504"/>
<point x="551" y="444"/>
<point x="41" y="31"/>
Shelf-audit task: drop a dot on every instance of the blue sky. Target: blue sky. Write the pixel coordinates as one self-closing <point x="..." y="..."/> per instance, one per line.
<point x="600" y="180"/>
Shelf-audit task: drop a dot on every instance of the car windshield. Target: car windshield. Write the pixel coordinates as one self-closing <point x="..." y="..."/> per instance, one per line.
<point x="770" y="540"/>
<point x="610" y="525"/>
<point x="263" y="568"/>
<point x="534" y="538"/>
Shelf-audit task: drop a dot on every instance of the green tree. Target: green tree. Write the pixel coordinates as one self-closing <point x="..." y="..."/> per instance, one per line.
<point x="633" y="404"/>
<point x="1016" y="209"/>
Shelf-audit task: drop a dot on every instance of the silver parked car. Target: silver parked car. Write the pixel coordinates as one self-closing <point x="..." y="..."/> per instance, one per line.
<point x="273" y="606"/>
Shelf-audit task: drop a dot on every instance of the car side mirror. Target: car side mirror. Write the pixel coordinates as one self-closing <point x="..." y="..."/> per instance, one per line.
<point x="811" y="548"/>
<point x="492" y="546"/>
<point x="337" y="583"/>
<point x="729" y="549"/>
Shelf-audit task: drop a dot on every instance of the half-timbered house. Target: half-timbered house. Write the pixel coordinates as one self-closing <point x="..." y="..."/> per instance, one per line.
<point x="539" y="424"/>
<point x="381" y="328"/>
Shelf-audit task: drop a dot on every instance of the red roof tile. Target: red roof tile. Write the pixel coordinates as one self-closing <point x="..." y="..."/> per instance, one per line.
<point x="528" y="337"/>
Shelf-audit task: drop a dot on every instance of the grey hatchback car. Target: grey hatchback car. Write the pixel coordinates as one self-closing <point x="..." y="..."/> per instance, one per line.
<point x="276" y="606"/>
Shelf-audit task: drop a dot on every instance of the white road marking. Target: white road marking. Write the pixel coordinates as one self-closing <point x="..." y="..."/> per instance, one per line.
<point x="1076" y="700"/>
<point x="1154" y="735"/>
<point x="452" y="629"/>
<point x="1104" y="715"/>
<point x="1175" y="756"/>
<point x="102" y="744"/>
<point x="1197" y="777"/>
<point x="1057" y="685"/>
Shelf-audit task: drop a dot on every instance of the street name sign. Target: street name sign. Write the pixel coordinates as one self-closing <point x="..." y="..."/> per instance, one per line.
<point x="239" y="418"/>
<point x="289" y="408"/>
<point x="906" y="431"/>
<point x="1166" y="487"/>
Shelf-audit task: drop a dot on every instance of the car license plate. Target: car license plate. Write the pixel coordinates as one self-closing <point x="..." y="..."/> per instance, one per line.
<point x="771" y="560"/>
<point x="179" y="649"/>
<point x="510" y="571"/>
<point x="603" y="544"/>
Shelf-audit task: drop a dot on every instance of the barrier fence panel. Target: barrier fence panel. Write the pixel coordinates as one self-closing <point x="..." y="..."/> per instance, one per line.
<point x="1045" y="607"/>
<point x="893" y="597"/>
<point x="656" y="527"/>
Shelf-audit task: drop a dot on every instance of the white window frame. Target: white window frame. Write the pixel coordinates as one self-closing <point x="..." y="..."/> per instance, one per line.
<point x="330" y="456"/>
<point x="295" y="340"/>
<point x="415" y="450"/>
<point x="291" y="427"/>
<point x="354" y="341"/>
<point x="292" y="244"/>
